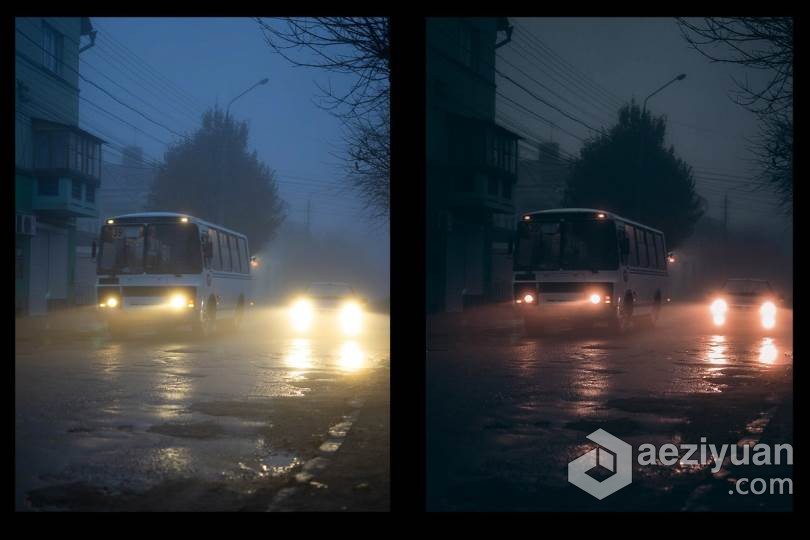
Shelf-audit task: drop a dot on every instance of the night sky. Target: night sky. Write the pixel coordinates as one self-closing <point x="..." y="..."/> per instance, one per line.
<point x="624" y="58"/>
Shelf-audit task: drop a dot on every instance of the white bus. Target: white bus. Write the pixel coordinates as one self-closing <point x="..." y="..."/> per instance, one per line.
<point x="588" y="265"/>
<point x="161" y="267"/>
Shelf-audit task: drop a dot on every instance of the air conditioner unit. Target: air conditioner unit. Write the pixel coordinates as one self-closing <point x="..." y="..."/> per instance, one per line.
<point x="26" y="224"/>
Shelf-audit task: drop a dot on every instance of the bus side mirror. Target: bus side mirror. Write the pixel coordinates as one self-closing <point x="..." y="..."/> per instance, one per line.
<point x="93" y="250"/>
<point x="208" y="249"/>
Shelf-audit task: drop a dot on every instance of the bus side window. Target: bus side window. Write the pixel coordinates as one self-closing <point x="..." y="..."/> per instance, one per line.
<point x="216" y="260"/>
<point x="659" y="250"/>
<point x="243" y="255"/>
<point x="226" y="251"/>
<point x="642" y="248"/>
<point x="630" y="231"/>
<point x="237" y="266"/>
<point x="651" y="249"/>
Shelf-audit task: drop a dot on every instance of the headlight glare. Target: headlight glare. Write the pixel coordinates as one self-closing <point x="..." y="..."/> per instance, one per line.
<point x="719" y="308"/>
<point x="351" y="318"/>
<point x="301" y="314"/>
<point x="178" y="301"/>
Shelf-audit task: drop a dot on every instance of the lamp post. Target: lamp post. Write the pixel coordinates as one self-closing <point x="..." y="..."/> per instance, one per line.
<point x="680" y="77"/>
<point x="220" y="206"/>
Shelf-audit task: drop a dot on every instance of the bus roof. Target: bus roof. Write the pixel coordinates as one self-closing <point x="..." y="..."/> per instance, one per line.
<point x="591" y="211"/>
<point x="191" y="219"/>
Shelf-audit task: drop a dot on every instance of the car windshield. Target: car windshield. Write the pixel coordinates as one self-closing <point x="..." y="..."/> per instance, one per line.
<point x="747" y="287"/>
<point x="330" y="290"/>
<point x="158" y="248"/>
<point x="566" y="245"/>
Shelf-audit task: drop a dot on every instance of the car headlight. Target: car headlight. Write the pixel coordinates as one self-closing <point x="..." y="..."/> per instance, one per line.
<point x="767" y="313"/>
<point x="351" y="318"/>
<point x="301" y="314"/>
<point x="768" y="309"/>
<point x="719" y="308"/>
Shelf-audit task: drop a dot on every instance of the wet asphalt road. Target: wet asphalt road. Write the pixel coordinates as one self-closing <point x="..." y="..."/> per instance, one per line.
<point x="159" y="421"/>
<point x="506" y="413"/>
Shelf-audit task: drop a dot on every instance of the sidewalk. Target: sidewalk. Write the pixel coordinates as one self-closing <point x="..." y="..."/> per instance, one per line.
<point x="77" y="322"/>
<point x="358" y="479"/>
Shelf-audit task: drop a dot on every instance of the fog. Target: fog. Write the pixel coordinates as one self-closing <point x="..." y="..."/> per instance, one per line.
<point x="298" y="257"/>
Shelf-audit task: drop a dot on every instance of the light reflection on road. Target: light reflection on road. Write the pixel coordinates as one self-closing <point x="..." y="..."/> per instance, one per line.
<point x="717" y="353"/>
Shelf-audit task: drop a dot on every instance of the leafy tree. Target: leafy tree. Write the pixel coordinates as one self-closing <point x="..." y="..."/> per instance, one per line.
<point x="627" y="170"/>
<point x="212" y="175"/>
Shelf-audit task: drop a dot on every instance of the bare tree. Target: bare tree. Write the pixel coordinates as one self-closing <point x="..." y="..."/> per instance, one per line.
<point x="760" y="43"/>
<point x="359" y="47"/>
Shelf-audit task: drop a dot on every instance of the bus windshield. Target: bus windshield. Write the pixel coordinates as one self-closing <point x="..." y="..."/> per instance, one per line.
<point x="566" y="245"/>
<point x="158" y="248"/>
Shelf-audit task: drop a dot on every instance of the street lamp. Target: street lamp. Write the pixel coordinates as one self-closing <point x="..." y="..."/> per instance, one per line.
<point x="680" y="77"/>
<point x="220" y="207"/>
<point x="261" y="82"/>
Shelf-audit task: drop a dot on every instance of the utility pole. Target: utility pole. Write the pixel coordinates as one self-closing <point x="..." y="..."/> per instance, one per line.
<point x="680" y="77"/>
<point x="309" y="203"/>
<point x="223" y="155"/>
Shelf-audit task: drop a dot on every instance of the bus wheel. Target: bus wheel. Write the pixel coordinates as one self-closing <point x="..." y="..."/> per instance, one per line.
<point x="624" y="316"/>
<point x="205" y="324"/>
<point x="239" y="315"/>
<point x="656" y="310"/>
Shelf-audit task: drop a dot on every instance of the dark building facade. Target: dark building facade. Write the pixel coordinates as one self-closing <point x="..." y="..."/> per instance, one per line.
<point x="541" y="180"/>
<point x="57" y="164"/>
<point x="471" y="165"/>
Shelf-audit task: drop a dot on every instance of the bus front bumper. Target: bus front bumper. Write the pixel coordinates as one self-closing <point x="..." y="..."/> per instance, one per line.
<point x="147" y="314"/>
<point x="551" y="311"/>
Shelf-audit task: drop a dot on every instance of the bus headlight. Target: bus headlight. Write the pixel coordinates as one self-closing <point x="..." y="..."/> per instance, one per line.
<point x="351" y="318"/>
<point x="301" y="315"/>
<point x="595" y="298"/>
<point x="528" y="298"/>
<point x="111" y="301"/>
<point x="179" y="301"/>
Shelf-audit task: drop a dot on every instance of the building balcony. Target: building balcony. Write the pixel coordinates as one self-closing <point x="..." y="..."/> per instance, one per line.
<point x="67" y="167"/>
<point x="64" y="196"/>
<point x="488" y="191"/>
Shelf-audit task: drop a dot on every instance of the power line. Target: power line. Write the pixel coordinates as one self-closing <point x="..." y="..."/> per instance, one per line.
<point x="571" y="68"/>
<point x="105" y="90"/>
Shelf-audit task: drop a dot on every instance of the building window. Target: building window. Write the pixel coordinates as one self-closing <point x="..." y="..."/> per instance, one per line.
<point x="48" y="187"/>
<point x="507" y="189"/>
<point x="52" y="49"/>
<point x="76" y="189"/>
<point x="90" y="193"/>
<point x="492" y="186"/>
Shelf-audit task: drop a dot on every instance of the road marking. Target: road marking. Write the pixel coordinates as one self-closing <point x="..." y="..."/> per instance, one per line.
<point x="753" y="432"/>
<point x="318" y="464"/>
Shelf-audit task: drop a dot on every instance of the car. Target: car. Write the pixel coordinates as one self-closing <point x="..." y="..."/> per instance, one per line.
<point x="745" y="300"/>
<point x="328" y="307"/>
